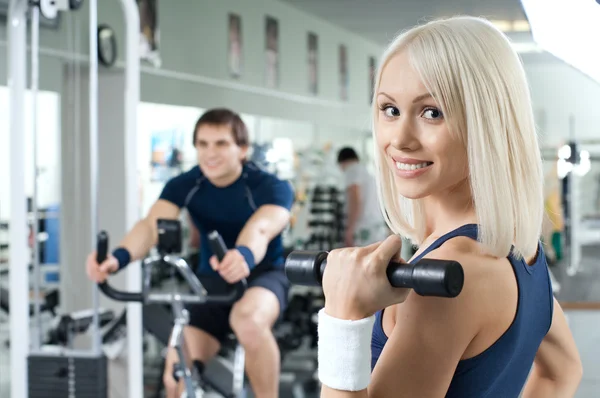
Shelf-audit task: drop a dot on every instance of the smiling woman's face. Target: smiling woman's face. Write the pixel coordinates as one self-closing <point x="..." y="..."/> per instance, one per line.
<point x="413" y="134"/>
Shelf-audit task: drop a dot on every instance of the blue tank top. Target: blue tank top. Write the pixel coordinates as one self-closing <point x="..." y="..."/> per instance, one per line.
<point x="502" y="369"/>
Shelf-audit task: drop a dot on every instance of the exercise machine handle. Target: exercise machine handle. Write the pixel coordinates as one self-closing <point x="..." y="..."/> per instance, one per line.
<point x="199" y="294"/>
<point x="218" y="247"/>
<point x="428" y="277"/>
<point x="109" y="291"/>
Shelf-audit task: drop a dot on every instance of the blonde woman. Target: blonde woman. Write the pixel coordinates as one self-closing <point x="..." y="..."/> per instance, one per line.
<point x="460" y="174"/>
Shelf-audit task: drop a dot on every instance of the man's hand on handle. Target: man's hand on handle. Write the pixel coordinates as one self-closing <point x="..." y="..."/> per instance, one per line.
<point x="99" y="272"/>
<point x="233" y="268"/>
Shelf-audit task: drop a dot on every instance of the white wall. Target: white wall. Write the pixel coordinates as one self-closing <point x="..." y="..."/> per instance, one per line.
<point x="559" y="91"/>
<point x="194" y="71"/>
<point x="48" y="150"/>
<point x="303" y="134"/>
<point x="161" y="117"/>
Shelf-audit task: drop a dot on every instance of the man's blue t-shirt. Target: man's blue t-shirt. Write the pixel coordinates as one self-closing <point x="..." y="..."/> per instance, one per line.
<point x="227" y="209"/>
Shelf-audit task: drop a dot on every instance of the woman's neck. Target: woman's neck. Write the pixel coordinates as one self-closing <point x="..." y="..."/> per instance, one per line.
<point x="449" y="210"/>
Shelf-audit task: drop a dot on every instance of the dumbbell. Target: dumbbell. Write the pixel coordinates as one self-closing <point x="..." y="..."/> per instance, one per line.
<point x="428" y="277"/>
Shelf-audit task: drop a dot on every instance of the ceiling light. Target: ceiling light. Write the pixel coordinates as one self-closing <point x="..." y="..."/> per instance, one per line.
<point x="527" y="47"/>
<point x="566" y="29"/>
<point x="521" y="26"/>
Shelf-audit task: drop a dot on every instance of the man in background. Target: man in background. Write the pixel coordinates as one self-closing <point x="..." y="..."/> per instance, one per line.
<point x="364" y="221"/>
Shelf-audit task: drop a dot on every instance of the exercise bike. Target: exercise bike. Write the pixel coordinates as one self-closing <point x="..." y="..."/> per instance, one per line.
<point x="169" y="242"/>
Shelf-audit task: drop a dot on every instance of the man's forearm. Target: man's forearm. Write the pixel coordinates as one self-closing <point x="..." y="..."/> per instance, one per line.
<point x="255" y="240"/>
<point x="264" y="225"/>
<point x="140" y="240"/>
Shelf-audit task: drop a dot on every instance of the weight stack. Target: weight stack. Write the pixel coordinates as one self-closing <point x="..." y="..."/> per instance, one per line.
<point x="67" y="376"/>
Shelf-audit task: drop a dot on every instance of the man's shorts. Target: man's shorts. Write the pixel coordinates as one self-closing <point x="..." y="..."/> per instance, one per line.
<point x="214" y="318"/>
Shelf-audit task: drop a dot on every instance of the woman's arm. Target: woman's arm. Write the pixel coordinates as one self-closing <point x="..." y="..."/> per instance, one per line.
<point x="557" y="369"/>
<point x="430" y="337"/>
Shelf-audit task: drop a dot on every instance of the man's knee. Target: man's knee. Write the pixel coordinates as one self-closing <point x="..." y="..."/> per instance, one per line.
<point x="253" y="316"/>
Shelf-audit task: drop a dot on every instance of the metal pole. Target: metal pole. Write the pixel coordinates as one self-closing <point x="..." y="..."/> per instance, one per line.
<point x="133" y="272"/>
<point x="575" y="247"/>
<point x="18" y="278"/>
<point x="35" y="24"/>
<point x="94" y="160"/>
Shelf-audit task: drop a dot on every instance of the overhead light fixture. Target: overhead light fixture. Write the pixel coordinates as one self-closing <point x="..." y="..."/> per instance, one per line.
<point x="564" y="152"/>
<point x="570" y="159"/>
<point x="527" y="47"/>
<point x="503" y="25"/>
<point x="565" y="29"/>
<point x="585" y="165"/>
<point x="521" y="26"/>
<point x="507" y="25"/>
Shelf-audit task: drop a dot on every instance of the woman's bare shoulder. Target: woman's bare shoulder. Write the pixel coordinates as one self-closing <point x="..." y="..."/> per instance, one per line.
<point x="430" y="335"/>
<point x="488" y="282"/>
<point x="480" y="268"/>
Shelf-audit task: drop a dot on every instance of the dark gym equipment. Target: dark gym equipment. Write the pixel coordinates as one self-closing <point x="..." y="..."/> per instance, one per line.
<point x="326" y="218"/>
<point x="169" y="241"/>
<point x="51" y="301"/>
<point x="48" y="304"/>
<point x="428" y="277"/>
<point x="76" y="323"/>
<point x="69" y="373"/>
<point x="78" y="375"/>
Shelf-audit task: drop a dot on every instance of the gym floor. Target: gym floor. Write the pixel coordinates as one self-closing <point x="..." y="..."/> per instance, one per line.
<point x="584" y="322"/>
<point x="585" y="285"/>
<point x="576" y="293"/>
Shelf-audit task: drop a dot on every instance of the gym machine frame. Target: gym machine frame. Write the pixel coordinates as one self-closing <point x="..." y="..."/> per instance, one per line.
<point x="18" y="279"/>
<point x="169" y="242"/>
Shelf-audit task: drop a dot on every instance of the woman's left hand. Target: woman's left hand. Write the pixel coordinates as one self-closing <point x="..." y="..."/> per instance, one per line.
<point x="355" y="282"/>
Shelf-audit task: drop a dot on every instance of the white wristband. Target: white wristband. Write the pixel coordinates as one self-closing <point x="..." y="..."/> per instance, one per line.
<point x="344" y="352"/>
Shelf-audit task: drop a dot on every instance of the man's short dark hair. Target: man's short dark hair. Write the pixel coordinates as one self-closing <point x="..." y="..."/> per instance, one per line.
<point x="347" y="153"/>
<point x="225" y="117"/>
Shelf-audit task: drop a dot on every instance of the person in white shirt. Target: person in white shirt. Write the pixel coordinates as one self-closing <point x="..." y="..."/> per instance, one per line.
<point x="364" y="222"/>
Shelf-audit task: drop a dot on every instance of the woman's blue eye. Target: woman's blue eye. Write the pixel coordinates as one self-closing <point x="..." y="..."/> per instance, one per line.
<point x="432" y="113"/>
<point x="391" y="111"/>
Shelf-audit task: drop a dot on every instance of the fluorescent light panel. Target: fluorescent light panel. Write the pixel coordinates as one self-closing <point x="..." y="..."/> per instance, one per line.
<point x="568" y="30"/>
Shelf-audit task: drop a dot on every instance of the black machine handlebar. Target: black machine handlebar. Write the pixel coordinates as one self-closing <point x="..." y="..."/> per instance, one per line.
<point x="428" y="277"/>
<point x="199" y="293"/>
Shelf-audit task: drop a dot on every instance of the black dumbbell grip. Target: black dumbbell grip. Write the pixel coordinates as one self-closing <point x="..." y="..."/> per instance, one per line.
<point x="428" y="277"/>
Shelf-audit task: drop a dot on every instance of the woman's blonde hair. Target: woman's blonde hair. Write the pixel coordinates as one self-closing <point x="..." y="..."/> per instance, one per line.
<point x="478" y="80"/>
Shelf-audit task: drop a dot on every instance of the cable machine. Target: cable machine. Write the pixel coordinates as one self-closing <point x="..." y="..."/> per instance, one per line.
<point x="29" y="363"/>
